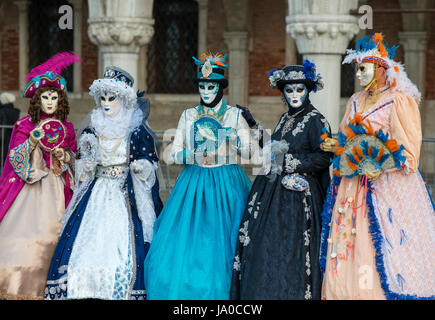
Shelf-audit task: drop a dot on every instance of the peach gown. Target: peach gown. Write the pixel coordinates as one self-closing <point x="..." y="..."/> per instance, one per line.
<point x="29" y="233"/>
<point x="391" y="255"/>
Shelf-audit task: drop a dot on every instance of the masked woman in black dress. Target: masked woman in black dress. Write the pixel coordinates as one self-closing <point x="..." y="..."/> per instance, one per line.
<point x="277" y="255"/>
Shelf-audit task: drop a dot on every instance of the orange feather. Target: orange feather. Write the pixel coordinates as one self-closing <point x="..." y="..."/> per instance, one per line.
<point x="219" y="63"/>
<point x="381" y="153"/>
<point x="392" y="145"/>
<point x="351" y="165"/>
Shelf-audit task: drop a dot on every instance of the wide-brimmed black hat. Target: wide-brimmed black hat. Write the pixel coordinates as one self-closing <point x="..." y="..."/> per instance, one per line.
<point x="305" y="74"/>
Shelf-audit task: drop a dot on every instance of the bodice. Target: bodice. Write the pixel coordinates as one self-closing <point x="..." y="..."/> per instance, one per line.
<point x="112" y="151"/>
<point x="218" y="133"/>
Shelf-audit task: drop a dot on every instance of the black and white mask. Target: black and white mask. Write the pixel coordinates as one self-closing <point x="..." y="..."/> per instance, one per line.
<point x="295" y="94"/>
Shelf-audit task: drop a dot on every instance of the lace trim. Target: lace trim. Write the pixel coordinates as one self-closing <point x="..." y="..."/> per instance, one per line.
<point x="244" y="238"/>
<point x="291" y="163"/>
<point x="301" y="125"/>
<point x="307" y="243"/>
<point x="118" y="126"/>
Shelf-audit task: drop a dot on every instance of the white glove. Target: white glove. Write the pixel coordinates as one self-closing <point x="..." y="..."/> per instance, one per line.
<point x="142" y="168"/>
<point x="90" y="166"/>
<point x="278" y="147"/>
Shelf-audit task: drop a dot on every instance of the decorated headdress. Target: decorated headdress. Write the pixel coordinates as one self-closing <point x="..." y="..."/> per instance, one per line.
<point x="117" y="81"/>
<point x="373" y="50"/>
<point x="212" y="68"/>
<point x="305" y="73"/>
<point x="48" y="74"/>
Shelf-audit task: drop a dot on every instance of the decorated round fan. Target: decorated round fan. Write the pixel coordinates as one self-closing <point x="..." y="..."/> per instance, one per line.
<point x="54" y="134"/>
<point x="362" y="149"/>
<point x="295" y="182"/>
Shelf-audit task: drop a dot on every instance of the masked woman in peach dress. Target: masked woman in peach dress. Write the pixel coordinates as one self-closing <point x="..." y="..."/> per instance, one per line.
<point x="378" y="233"/>
<point x="36" y="182"/>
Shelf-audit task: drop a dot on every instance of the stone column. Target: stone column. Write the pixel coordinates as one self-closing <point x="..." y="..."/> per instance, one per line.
<point x="414" y="44"/>
<point x="120" y="28"/>
<point x="322" y="30"/>
<point x="238" y="73"/>
<point x="202" y="25"/>
<point x="23" y="42"/>
<point x="77" y="67"/>
<point x="237" y="39"/>
<point x="290" y="47"/>
<point x="414" y="41"/>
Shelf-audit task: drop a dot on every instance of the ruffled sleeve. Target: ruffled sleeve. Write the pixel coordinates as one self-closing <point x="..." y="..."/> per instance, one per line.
<point x="249" y="147"/>
<point x="316" y="160"/>
<point x="145" y="159"/>
<point x="179" y="144"/>
<point x="405" y="128"/>
<point x="349" y="107"/>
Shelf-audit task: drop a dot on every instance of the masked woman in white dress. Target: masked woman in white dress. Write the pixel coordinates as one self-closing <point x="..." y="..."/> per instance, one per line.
<point x="108" y="225"/>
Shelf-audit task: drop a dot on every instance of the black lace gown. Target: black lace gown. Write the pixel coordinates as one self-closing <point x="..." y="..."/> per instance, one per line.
<point x="277" y="255"/>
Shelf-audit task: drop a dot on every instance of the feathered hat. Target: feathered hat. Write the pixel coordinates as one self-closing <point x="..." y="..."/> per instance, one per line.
<point x="305" y="73"/>
<point x="373" y="50"/>
<point x="48" y="74"/>
<point x="212" y="68"/>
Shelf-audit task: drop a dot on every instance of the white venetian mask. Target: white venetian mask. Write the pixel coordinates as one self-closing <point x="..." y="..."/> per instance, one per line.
<point x="295" y="94"/>
<point x="208" y="91"/>
<point x="49" y="101"/>
<point x="110" y="103"/>
<point x="365" y="73"/>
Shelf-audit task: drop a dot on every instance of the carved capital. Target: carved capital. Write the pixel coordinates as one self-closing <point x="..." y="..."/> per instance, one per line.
<point x="127" y="34"/>
<point x="320" y="27"/>
<point x="236" y="40"/>
<point x="413" y="41"/>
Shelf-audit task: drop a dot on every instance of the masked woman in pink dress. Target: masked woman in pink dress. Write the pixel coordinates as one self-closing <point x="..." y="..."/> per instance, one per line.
<point x="378" y="235"/>
<point x="36" y="182"/>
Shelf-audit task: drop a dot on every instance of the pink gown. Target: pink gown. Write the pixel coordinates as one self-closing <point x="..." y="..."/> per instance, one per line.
<point x="33" y="199"/>
<point x="390" y="254"/>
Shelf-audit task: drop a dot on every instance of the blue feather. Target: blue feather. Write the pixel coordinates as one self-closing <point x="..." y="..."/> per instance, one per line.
<point x="402" y="236"/>
<point x="400" y="281"/>
<point x="375" y="152"/>
<point x="309" y="69"/>
<point x="391" y="51"/>
<point x="336" y="163"/>
<point x="341" y="139"/>
<point x="365" y="147"/>
<point x="382" y="136"/>
<point x="351" y="158"/>
<point x="383" y="158"/>
<point x="326" y="215"/>
<point x="197" y="62"/>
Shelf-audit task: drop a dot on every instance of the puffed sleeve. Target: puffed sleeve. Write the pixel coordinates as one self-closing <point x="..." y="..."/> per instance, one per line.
<point x="349" y="107"/>
<point x="178" y="144"/>
<point x="317" y="159"/>
<point x="145" y="163"/>
<point x="27" y="164"/>
<point x="249" y="147"/>
<point x="405" y="128"/>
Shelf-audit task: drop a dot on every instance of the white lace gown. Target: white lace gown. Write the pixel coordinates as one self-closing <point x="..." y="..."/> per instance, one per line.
<point x="101" y="262"/>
